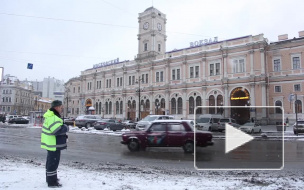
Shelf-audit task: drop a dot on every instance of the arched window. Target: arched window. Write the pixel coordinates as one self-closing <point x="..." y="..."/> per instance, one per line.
<point x="110" y="107"/>
<point x="278" y="103"/>
<point x="120" y="107"/>
<point x="191" y="105"/>
<point x="96" y="108"/>
<point x="179" y="106"/>
<point x="142" y="105"/>
<point x="107" y="108"/>
<point x="219" y="104"/>
<point x="129" y="105"/>
<point x="163" y="103"/>
<point x="211" y="103"/>
<point x="147" y="105"/>
<point x="198" y="103"/>
<point x="134" y="105"/>
<point x="99" y="107"/>
<point x="117" y="107"/>
<point x="173" y="106"/>
<point x="298" y="105"/>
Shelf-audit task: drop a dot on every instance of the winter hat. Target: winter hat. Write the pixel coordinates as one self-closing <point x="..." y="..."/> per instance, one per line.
<point x="56" y="103"/>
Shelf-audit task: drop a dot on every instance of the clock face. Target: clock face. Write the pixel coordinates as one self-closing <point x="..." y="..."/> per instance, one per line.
<point x="159" y="26"/>
<point x="146" y="26"/>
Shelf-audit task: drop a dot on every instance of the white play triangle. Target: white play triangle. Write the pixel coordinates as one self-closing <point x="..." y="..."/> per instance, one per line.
<point x="235" y="138"/>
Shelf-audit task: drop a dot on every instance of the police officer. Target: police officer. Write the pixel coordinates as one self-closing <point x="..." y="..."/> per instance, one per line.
<point x="53" y="139"/>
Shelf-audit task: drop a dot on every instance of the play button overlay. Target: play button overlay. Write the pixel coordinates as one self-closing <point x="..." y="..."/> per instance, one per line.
<point x="244" y="137"/>
<point x="235" y="138"/>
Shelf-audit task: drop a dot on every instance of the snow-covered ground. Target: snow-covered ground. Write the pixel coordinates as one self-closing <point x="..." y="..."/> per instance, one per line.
<point x="16" y="173"/>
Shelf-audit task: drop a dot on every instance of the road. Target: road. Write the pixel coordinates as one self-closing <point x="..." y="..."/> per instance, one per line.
<point x="101" y="149"/>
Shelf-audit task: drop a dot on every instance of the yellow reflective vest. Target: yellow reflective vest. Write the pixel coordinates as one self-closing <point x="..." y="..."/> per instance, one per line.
<point x="50" y="140"/>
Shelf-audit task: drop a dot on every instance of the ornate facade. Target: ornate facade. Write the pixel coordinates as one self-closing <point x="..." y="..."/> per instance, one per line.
<point x="236" y="72"/>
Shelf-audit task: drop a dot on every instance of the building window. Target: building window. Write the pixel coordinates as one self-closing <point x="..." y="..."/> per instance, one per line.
<point x="217" y="68"/>
<point x="279" y="104"/>
<point x="173" y="106"/>
<point x="107" y="83"/>
<point x="277" y="89"/>
<point x="191" y="72"/>
<point x="179" y="106"/>
<point x="130" y="80"/>
<point x="177" y="74"/>
<point x="120" y="107"/>
<point x="159" y="47"/>
<point x="196" y="71"/>
<point x="143" y="78"/>
<point x="146" y="47"/>
<point x="211" y="69"/>
<point x="276" y="65"/>
<point x="8" y="108"/>
<point x="173" y="74"/>
<point x="191" y="105"/>
<point x="79" y="89"/>
<point x="161" y="76"/>
<point x="120" y="81"/>
<point x="296" y="63"/>
<point x="157" y="76"/>
<point x="298" y="107"/>
<point x="117" y="107"/>
<point x="3" y="108"/>
<point x="133" y="80"/>
<point x="297" y="87"/>
<point x="147" y="78"/>
<point x="74" y="90"/>
<point x="117" y="82"/>
<point x="238" y="65"/>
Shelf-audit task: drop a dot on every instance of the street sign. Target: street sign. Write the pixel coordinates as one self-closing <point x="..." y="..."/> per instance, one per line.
<point x="291" y="97"/>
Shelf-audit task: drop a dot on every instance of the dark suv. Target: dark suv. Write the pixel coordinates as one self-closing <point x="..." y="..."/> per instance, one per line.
<point x="86" y="120"/>
<point x="167" y="133"/>
<point x="298" y="127"/>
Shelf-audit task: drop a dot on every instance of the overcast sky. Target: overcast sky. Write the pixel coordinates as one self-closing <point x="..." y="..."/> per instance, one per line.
<point x="64" y="37"/>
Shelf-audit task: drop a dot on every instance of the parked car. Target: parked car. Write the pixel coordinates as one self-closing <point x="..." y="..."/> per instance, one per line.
<point x="18" y="120"/>
<point x="208" y="122"/>
<point x="144" y="123"/>
<point x="129" y="124"/>
<point x="167" y="133"/>
<point x="222" y="124"/>
<point x="69" y="121"/>
<point x="111" y="124"/>
<point x="8" y="117"/>
<point x="298" y="127"/>
<point x="250" y="127"/>
<point x="86" y="120"/>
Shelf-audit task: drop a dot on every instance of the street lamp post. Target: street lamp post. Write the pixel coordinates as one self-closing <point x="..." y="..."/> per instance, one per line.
<point x="139" y="90"/>
<point x="67" y="101"/>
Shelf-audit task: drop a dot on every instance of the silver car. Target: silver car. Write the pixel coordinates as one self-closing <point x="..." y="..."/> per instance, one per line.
<point x="230" y="121"/>
<point x="298" y="128"/>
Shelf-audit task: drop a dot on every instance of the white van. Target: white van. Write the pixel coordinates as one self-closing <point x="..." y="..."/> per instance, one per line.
<point x="208" y="122"/>
<point x="144" y="123"/>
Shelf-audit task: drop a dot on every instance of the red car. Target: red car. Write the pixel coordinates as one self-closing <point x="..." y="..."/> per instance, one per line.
<point x="167" y="133"/>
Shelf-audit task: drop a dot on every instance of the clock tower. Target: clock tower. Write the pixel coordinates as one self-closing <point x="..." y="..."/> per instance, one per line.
<point x="152" y="33"/>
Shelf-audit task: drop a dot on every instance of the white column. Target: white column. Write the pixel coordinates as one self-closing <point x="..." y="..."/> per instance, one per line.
<point x="262" y="62"/>
<point x="204" y="99"/>
<point x="251" y="62"/>
<point x="124" y="104"/>
<point x="152" y="103"/>
<point x="184" y="104"/>
<point x="252" y="99"/>
<point x="225" y="66"/>
<point x="167" y="97"/>
<point x="226" y="103"/>
<point x="264" y="99"/>
<point x="184" y="71"/>
<point x="204" y="68"/>
<point x="124" y="79"/>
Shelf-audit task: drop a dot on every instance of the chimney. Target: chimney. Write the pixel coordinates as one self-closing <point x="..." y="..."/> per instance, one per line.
<point x="301" y="34"/>
<point x="283" y="37"/>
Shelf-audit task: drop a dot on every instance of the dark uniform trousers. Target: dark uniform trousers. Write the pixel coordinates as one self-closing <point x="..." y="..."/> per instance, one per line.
<point x="52" y="162"/>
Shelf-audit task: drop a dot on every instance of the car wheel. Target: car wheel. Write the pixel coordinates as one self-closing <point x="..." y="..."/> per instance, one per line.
<point x="295" y="132"/>
<point x="188" y="147"/>
<point x="88" y="125"/>
<point x="133" y="145"/>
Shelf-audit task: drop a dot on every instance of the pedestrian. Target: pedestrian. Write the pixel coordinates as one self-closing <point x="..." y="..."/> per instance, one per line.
<point x="53" y="139"/>
<point x="287" y="122"/>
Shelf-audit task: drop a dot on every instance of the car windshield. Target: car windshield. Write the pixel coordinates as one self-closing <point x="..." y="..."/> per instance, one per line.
<point x="150" y="118"/>
<point x="202" y="120"/>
